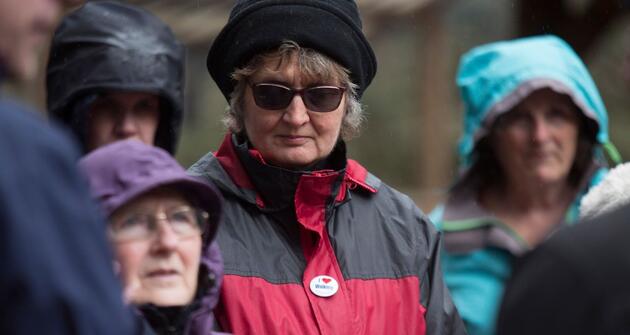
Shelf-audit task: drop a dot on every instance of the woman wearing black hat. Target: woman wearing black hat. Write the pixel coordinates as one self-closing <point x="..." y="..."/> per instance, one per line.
<point x="312" y="242"/>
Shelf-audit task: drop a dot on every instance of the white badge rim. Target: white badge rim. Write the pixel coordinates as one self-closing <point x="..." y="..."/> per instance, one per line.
<point x="324" y="293"/>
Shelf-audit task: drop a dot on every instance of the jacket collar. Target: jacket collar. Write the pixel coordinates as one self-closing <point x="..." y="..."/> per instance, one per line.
<point x="247" y="172"/>
<point x="468" y="227"/>
<point x="277" y="186"/>
<point x="166" y="320"/>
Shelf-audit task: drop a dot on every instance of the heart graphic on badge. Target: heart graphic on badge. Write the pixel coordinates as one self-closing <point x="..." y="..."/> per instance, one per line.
<point x="324" y="286"/>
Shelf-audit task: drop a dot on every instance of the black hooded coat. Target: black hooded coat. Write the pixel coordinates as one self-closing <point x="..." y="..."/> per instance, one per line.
<point x="114" y="46"/>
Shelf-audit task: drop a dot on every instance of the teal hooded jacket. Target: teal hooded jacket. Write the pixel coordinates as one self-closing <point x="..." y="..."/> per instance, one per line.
<point x="478" y="249"/>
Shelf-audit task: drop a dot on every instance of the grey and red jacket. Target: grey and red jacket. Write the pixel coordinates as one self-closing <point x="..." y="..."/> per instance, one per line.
<point x="283" y="228"/>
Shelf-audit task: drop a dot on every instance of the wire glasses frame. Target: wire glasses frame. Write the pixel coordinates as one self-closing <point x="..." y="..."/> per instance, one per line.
<point x="184" y="221"/>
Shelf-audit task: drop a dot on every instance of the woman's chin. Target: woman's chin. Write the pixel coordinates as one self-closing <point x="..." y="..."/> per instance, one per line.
<point x="173" y="297"/>
<point x="546" y="178"/>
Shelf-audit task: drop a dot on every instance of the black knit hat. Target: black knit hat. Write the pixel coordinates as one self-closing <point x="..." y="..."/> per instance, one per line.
<point x="332" y="27"/>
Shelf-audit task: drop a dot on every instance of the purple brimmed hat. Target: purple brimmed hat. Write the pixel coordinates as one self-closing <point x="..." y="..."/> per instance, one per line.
<point x="119" y="172"/>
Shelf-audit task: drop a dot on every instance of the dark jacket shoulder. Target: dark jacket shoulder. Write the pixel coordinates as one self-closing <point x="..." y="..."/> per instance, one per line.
<point x="574" y="283"/>
<point x="56" y="276"/>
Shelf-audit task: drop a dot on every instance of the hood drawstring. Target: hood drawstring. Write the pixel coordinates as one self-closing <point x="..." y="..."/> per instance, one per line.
<point x="612" y="153"/>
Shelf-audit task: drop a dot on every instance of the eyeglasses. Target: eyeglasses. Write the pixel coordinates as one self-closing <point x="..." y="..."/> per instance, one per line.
<point x="317" y="99"/>
<point x="184" y="221"/>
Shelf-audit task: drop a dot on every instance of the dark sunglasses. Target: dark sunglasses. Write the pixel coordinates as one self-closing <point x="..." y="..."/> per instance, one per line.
<point x="317" y="99"/>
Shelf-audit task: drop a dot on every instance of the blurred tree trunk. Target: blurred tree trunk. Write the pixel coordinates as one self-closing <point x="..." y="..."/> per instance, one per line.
<point x="434" y="158"/>
<point x="579" y="28"/>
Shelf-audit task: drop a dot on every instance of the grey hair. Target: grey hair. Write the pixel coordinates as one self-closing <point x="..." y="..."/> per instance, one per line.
<point x="313" y="65"/>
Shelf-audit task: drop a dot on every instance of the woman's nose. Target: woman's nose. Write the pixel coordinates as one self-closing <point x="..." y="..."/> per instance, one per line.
<point x="540" y="130"/>
<point x="166" y="238"/>
<point x="127" y="126"/>
<point x="296" y="113"/>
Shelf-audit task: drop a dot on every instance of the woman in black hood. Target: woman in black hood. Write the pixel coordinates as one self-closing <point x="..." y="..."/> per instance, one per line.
<point x="116" y="71"/>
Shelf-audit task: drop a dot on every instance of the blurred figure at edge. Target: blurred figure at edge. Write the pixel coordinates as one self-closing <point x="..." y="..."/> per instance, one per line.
<point x="56" y="276"/>
<point x="575" y="283"/>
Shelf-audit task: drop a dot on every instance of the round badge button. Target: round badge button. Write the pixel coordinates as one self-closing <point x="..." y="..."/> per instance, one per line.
<point x="324" y="286"/>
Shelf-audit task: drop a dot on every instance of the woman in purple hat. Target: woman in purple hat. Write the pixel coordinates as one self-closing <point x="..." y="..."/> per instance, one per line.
<point x="161" y="224"/>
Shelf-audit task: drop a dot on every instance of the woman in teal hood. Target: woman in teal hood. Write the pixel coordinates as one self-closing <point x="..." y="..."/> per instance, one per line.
<point x="534" y="129"/>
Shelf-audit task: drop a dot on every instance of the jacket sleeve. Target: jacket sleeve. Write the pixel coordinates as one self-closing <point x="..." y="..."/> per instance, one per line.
<point x="441" y="315"/>
<point x="57" y="275"/>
